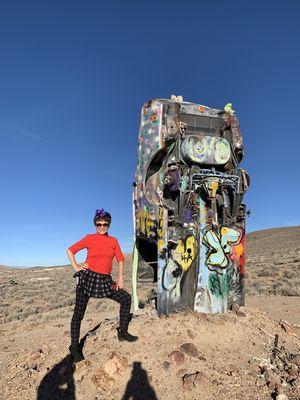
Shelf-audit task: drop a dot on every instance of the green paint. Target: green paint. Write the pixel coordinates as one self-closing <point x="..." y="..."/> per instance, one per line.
<point x="217" y="284"/>
<point x="220" y="285"/>
<point x="134" y="278"/>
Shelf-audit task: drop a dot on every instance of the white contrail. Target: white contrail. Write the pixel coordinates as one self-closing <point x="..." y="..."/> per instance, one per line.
<point x="28" y="133"/>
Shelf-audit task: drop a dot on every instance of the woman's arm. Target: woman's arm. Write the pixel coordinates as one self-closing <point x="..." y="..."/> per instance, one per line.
<point x="120" y="281"/>
<point x="82" y="244"/>
<point x="73" y="261"/>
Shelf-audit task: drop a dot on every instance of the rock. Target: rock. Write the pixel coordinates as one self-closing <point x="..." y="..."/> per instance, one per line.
<point x="241" y="313"/>
<point x="166" y="365"/>
<point x="196" y="379"/>
<point x="202" y="317"/>
<point x="295" y="359"/>
<point x="255" y="369"/>
<point x="101" y="379"/>
<point x="260" y="381"/>
<point x="201" y="380"/>
<point x="177" y="357"/>
<point x="293" y="372"/>
<point x="287" y="328"/>
<point x="282" y="397"/>
<point x="190" y="334"/>
<point x="181" y="372"/>
<point x="117" y="363"/>
<point x="235" y="307"/>
<point x="271" y="383"/>
<point x="233" y="369"/>
<point x="82" y="365"/>
<point x="272" y="379"/>
<point x="115" y="366"/>
<point x="190" y="349"/>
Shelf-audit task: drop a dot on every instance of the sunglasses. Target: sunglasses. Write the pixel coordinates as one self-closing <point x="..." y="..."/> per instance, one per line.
<point x="102" y="225"/>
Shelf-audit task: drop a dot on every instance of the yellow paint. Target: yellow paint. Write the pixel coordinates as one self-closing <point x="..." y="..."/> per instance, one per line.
<point x="146" y="222"/>
<point x="228" y="109"/>
<point x="160" y="230"/>
<point x="212" y="187"/>
<point x="215" y="186"/>
<point x="160" y="244"/>
<point x="184" y="254"/>
<point x="224" y="231"/>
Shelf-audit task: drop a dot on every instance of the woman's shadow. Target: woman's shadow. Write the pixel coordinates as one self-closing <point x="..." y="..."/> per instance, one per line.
<point x="59" y="383"/>
<point x="138" y="387"/>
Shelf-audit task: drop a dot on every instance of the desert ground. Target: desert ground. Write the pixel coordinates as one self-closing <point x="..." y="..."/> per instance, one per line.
<point x="251" y="352"/>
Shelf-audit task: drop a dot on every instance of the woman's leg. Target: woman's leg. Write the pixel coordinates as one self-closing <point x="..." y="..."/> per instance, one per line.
<point x="80" y="307"/>
<point x="124" y="298"/>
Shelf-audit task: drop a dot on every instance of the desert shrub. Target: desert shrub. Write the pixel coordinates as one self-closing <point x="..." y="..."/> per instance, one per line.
<point x="288" y="274"/>
<point x="266" y="272"/>
<point x="33" y="317"/>
<point x="254" y="288"/>
<point x="15" y="315"/>
<point x="26" y="313"/>
<point x="286" y="288"/>
<point x="289" y="290"/>
<point x="69" y="301"/>
<point x="29" y="300"/>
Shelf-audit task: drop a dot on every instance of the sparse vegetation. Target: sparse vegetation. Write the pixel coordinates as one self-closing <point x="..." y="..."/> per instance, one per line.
<point x="276" y="272"/>
<point x="31" y="292"/>
<point x="272" y="268"/>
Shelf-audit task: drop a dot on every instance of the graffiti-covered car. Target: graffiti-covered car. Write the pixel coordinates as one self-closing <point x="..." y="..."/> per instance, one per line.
<point x="189" y="218"/>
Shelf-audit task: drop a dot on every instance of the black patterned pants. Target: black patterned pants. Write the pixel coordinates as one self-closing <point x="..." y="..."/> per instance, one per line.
<point x="120" y="296"/>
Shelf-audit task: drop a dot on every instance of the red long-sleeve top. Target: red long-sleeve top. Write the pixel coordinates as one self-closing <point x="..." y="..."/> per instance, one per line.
<point x="101" y="249"/>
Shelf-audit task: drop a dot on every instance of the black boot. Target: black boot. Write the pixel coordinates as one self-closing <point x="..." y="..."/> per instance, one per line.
<point x="76" y="353"/>
<point x="125" y="335"/>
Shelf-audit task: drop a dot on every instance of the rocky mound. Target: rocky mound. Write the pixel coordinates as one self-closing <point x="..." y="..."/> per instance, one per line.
<point x="240" y="355"/>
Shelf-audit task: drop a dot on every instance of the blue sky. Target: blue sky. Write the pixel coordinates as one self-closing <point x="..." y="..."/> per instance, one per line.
<point x="73" y="78"/>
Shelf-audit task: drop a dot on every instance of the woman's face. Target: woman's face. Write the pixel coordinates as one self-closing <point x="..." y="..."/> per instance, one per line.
<point x="102" y="227"/>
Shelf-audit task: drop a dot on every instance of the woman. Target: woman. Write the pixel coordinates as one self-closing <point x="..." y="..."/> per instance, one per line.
<point x="94" y="280"/>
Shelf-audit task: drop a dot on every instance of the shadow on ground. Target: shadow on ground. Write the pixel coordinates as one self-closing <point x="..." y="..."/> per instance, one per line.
<point x="138" y="387"/>
<point x="59" y="384"/>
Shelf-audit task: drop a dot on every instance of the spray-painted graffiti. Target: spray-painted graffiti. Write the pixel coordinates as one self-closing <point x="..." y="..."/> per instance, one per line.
<point x="185" y="252"/>
<point x="147" y="224"/>
<point x="206" y="150"/>
<point x="219" y="246"/>
<point x="188" y="213"/>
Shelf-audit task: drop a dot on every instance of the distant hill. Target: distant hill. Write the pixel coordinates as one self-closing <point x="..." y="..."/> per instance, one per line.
<point x="4" y="267"/>
<point x="273" y="261"/>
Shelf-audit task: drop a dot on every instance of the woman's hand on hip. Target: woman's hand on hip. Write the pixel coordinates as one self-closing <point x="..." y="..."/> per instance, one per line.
<point x="85" y="266"/>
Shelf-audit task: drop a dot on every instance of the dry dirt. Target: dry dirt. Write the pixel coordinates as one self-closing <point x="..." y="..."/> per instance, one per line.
<point x="187" y="355"/>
